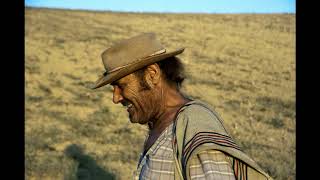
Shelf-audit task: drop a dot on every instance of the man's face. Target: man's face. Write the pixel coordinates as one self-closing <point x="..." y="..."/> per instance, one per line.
<point x="140" y="102"/>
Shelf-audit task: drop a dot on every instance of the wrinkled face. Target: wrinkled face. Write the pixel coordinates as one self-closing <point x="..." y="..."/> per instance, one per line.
<point x="141" y="104"/>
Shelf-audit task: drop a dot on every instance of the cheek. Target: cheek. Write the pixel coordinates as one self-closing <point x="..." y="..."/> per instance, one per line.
<point x="132" y="94"/>
<point x="144" y="102"/>
<point x="150" y="104"/>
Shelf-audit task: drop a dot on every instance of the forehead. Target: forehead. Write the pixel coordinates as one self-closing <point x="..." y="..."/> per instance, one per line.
<point x="126" y="79"/>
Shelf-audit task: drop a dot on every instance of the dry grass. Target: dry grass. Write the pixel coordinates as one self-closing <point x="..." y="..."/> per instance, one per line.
<point x="243" y="65"/>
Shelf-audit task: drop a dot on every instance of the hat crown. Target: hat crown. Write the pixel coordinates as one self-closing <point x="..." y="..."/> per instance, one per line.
<point x="130" y="50"/>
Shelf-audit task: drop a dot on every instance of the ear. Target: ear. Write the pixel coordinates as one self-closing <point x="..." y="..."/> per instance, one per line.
<point x="152" y="75"/>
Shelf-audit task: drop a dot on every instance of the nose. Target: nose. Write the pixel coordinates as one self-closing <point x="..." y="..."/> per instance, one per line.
<point x="117" y="97"/>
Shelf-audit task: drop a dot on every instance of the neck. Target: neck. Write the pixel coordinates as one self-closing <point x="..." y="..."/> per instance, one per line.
<point x="172" y="100"/>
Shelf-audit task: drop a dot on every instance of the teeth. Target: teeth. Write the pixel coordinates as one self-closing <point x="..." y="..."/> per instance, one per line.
<point x="130" y="105"/>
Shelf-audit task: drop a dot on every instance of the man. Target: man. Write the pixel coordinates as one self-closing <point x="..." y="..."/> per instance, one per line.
<point x="186" y="139"/>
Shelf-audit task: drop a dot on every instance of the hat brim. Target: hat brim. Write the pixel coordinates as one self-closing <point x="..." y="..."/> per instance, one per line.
<point x="114" y="76"/>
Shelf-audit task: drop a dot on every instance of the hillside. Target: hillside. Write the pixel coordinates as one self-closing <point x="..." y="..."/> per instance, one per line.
<point x="241" y="64"/>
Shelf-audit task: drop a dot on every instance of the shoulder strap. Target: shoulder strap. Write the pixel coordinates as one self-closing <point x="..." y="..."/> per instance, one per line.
<point x="178" y="136"/>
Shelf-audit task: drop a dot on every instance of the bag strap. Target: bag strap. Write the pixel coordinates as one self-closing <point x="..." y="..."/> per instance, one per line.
<point x="178" y="169"/>
<point x="177" y="148"/>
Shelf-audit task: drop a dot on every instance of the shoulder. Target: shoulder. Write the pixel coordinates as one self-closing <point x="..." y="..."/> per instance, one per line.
<point x="199" y="129"/>
<point x="198" y="116"/>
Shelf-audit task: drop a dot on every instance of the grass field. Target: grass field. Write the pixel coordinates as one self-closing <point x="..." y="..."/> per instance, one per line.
<point x="243" y="65"/>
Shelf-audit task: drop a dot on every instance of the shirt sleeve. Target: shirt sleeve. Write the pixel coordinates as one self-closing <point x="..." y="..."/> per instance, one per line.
<point x="211" y="164"/>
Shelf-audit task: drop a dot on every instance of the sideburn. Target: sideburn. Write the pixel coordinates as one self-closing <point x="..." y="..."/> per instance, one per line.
<point x="140" y="75"/>
<point x="146" y="89"/>
<point x="144" y="85"/>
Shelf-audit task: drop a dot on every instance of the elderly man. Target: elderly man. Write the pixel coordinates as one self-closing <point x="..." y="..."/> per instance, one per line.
<point x="186" y="139"/>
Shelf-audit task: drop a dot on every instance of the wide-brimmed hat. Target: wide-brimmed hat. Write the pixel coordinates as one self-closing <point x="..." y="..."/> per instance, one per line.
<point x="131" y="55"/>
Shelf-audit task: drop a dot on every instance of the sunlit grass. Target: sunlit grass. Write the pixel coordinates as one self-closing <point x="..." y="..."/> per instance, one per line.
<point x="243" y="65"/>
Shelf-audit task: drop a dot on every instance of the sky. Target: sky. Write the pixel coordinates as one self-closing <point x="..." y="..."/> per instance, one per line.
<point x="173" y="6"/>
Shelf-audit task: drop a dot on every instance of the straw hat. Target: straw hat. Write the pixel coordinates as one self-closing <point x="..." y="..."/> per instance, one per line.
<point x="131" y="55"/>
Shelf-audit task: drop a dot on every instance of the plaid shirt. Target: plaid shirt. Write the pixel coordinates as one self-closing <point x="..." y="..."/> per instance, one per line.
<point x="158" y="162"/>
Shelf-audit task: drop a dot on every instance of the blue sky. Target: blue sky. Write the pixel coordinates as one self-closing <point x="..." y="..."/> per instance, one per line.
<point x="177" y="6"/>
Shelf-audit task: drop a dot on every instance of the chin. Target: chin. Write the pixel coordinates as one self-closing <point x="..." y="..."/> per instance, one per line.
<point x="134" y="120"/>
<point x="137" y="120"/>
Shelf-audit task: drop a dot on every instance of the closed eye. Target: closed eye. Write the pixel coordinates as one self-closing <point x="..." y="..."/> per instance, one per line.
<point x="119" y="84"/>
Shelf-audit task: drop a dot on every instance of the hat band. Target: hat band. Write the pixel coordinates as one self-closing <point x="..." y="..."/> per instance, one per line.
<point x="121" y="67"/>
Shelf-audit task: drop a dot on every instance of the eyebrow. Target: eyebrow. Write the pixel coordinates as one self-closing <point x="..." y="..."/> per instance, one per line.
<point x="116" y="83"/>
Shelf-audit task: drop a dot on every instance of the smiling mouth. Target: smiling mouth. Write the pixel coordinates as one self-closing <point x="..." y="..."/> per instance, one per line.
<point x="127" y="104"/>
<point x="130" y="110"/>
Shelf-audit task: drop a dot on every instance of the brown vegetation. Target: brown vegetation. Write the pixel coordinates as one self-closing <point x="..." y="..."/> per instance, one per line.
<point x="243" y="65"/>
